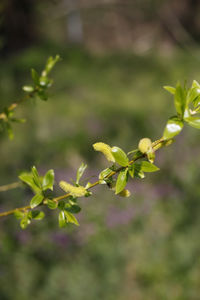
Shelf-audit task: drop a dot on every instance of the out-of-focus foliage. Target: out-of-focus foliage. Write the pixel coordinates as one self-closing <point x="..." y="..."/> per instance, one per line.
<point x="145" y="246"/>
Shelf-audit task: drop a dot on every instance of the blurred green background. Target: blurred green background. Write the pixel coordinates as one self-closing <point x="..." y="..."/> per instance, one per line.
<point x="116" y="56"/>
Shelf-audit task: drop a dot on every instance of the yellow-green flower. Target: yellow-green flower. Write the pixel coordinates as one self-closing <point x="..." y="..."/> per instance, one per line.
<point x="125" y="193"/>
<point x="105" y="149"/>
<point x="145" y="145"/>
<point x="76" y="191"/>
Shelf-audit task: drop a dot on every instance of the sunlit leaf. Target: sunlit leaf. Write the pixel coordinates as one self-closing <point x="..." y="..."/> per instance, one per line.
<point x="52" y="204"/>
<point x="170" y="89"/>
<point x="62" y="219"/>
<point x="194" y="122"/>
<point x="80" y="172"/>
<point x="180" y="99"/>
<point x="70" y="218"/>
<point x="48" y="180"/>
<point x="120" y="156"/>
<point x="147" y="166"/>
<point x="173" y="127"/>
<point x="121" y="181"/>
<point x="36" y="200"/>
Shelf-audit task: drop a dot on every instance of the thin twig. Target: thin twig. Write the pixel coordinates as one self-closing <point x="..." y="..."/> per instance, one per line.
<point x="15" y="104"/>
<point x="10" y="186"/>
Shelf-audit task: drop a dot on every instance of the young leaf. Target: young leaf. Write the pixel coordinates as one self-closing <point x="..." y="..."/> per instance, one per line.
<point x="194" y="122"/>
<point x="120" y="156"/>
<point x="173" y="127"/>
<point x="18" y="214"/>
<point x="180" y="99"/>
<point x="52" y="204"/>
<point x="104" y="174"/>
<point x="50" y="64"/>
<point x="70" y="218"/>
<point x="42" y="95"/>
<point x="151" y="155"/>
<point x="28" y="88"/>
<point x="62" y="219"/>
<point x="36" y="178"/>
<point x="138" y="173"/>
<point x="192" y="95"/>
<point x="44" y="81"/>
<point x="17" y="120"/>
<point x="80" y="172"/>
<point x="131" y="170"/>
<point x="36" y="200"/>
<point x="170" y="89"/>
<point x="72" y="208"/>
<point x="9" y="131"/>
<point x="35" y="76"/>
<point x="121" y="181"/>
<point x="61" y="205"/>
<point x="28" y="179"/>
<point x="25" y="222"/>
<point x="48" y="180"/>
<point x="146" y="166"/>
<point x="37" y="215"/>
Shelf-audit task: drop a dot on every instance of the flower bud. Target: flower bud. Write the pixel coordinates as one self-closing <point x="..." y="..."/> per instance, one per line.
<point x="145" y="145"/>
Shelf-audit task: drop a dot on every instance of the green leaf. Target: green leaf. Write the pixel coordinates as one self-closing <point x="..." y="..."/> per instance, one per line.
<point x="28" y="88"/>
<point x="70" y="218"/>
<point x="137" y="155"/>
<point x="44" y="81"/>
<point x="9" y="131"/>
<point x="28" y="179"/>
<point x="120" y="156"/>
<point x="18" y="214"/>
<point x="173" y="127"/>
<point x="192" y="95"/>
<point x="50" y="64"/>
<point x="121" y="181"/>
<point x="35" y="77"/>
<point x="80" y="172"/>
<point x="52" y="204"/>
<point x="104" y="174"/>
<point x="61" y="204"/>
<point x="137" y="171"/>
<point x="25" y="222"/>
<point x="196" y="102"/>
<point x="180" y="99"/>
<point x="42" y="95"/>
<point x="36" y="178"/>
<point x="16" y="120"/>
<point x="72" y="208"/>
<point x="146" y="166"/>
<point x="151" y="155"/>
<point x="62" y="219"/>
<point x="36" y="200"/>
<point x="48" y="180"/>
<point x="37" y="215"/>
<point x="194" y="122"/>
<point x="131" y="170"/>
<point x="195" y="84"/>
<point x="170" y="89"/>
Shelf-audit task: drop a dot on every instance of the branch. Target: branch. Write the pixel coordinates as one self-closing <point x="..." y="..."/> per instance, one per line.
<point x="187" y="105"/>
<point x="39" y="88"/>
<point x="11" y="186"/>
<point x="155" y="145"/>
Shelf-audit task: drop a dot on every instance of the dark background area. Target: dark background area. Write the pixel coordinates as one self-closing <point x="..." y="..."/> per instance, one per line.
<point x="116" y="56"/>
